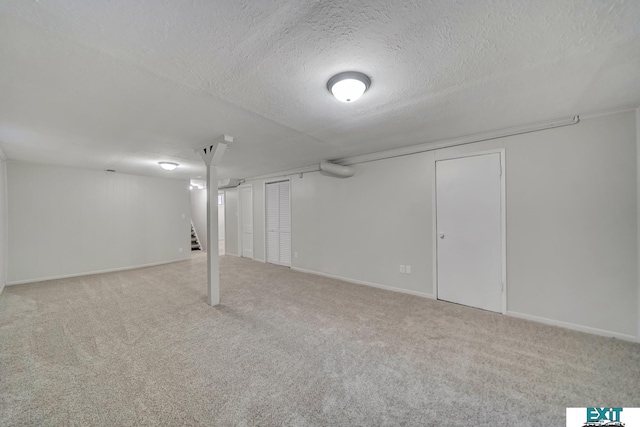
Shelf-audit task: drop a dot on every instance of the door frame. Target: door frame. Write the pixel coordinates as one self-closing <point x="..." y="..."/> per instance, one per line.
<point x="503" y="214"/>
<point x="240" y="245"/>
<point x="264" y="216"/>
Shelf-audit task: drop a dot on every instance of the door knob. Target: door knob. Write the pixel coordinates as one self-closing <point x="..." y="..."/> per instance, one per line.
<point x="441" y="235"/>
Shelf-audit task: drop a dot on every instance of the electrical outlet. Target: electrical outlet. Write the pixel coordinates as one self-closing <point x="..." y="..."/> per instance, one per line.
<point x="179" y="249"/>
<point x="407" y="269"/>
<point x="184" y="217"/>
<point x="402" y="269"/>
<point x="295" y="254"/>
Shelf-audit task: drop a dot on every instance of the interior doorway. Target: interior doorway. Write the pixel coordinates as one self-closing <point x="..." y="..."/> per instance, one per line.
<point x="470" y="231"/>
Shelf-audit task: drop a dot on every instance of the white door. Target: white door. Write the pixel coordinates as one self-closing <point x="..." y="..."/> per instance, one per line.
<point x="221" y="230"/>
<point x="278" y="223"/>
<point x="246" y="221"/>
<point x="469" y="231"/>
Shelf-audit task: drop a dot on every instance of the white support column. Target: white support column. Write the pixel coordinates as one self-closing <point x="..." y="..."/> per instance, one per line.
<point x="212" y="155"/>
<point x="213" y="269"/>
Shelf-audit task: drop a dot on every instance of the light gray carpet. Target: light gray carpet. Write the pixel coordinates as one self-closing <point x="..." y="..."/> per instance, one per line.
<point x="142" y="348"/>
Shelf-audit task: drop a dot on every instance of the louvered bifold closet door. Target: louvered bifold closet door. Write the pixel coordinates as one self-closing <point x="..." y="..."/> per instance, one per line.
<point x="284" y="237"/>
<point x="273" y="223"/>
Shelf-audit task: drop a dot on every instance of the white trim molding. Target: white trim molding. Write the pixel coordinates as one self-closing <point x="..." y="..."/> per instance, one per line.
<point x="537" y="319"/>
<point x="573" y="326"/>
<point x="362" y="282"/>
<point x="91" y="273"/>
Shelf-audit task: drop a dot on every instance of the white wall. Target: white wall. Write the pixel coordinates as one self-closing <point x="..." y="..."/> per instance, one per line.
<point x="4" y="229"/>
<point x="572" y="223"/>
<point x="67" y="222"/>
<point x="199" y="214"/>
<point x="364" y="227"/>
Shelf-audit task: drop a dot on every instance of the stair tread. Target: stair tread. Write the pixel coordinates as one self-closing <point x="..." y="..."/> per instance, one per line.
<point x="195" y="243"/>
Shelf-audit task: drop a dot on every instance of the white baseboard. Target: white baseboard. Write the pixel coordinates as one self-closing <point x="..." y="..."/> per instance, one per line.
<point x="91" y="273"/>
<point x="538" y="319"/>
<point x="573" y="326"/>
<point x="362" y="282"/>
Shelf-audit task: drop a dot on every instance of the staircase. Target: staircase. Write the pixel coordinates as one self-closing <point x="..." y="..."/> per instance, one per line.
<point x="195" y="243"/>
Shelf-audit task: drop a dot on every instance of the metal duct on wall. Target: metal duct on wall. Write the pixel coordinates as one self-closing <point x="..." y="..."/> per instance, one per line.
<point x="336" y="170"/>
<point x="228" y="183"/>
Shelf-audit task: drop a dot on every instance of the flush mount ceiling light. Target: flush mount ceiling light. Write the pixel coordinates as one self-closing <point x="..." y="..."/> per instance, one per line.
<point x="168" y="166"/>
<point x="348" y="86"/>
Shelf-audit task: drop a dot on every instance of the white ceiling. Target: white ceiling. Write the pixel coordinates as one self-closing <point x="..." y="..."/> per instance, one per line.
<point x="124" y="84"/>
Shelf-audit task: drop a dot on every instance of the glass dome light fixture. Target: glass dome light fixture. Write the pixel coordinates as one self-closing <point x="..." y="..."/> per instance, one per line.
<point x="348" y="86"/>
<point x="168" y="166"/>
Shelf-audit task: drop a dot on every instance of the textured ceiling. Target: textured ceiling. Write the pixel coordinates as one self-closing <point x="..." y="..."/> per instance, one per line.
<point x="124" y="84"/>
